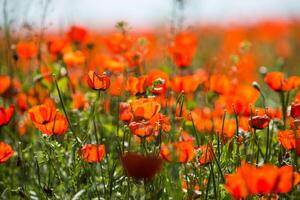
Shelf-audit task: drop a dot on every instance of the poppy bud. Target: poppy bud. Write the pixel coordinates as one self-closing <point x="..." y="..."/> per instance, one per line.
<point x="256" y="86"/>
<point x="260" y="122"/>
<point x="98" y="82"/>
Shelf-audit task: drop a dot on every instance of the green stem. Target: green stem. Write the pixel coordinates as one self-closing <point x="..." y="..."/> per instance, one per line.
<point x="268" y="141"/>
<point x="64" y="109"/>
<point x="283" y="108"/>
<point x="214" y="181"/>
<point x="237" y="138"/>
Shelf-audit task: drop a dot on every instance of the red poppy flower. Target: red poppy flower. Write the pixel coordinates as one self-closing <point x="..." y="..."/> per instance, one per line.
<point x="260" y="122"/>
<point x="5" y="152"/>
<point x="295" y="110"/>
<point x="141" y="167"/>
<point x="6" y="114"/>
<point x="98" y="82"/>
<point x="92" y="153"/>
<point x="77" y="34"/>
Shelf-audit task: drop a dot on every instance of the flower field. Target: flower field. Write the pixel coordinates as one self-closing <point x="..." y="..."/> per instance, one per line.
<point x="205" y="112"/>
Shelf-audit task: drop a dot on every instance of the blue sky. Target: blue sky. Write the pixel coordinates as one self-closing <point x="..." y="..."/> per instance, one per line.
<point x="105" y="13"/>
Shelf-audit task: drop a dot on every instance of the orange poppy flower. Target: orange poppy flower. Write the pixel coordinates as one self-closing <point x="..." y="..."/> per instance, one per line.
<point x="184" y="136"/>
<point x="6" y="115"/>
<point x="144" y="108"/>
<point x="134" y="58"/>
<point x="229" y="128"/>
<point x="78" y="101"/>
<point x="291" y="83"/>
<point x="219" y="83"/>
<point x="141" y="129"/>
<point x="277" y="82"/>
<point x="117" y="86"/>
<point x="263" y="179"/>
<point x="205" y="154"/>
<point x="274" y="80"/>
<point x="5" y="83"/>
<point x="202" y="119"/>
<point x="163" y="122"/>
<point x="285" y="184"/>
<point x="125" y="113"/>
<point x="118" y="43"/>
<point x="288" y="141"/>
<point x="183" y="49"/>
<point x="74" y="59"/>
<point x="139" y="166"/>
<point x="267" y="179"/>
<point x="92" y="153"/>
<point x="115" y="64"/>
<point x="5" y="152"/>
<point x="55" y="46"/>
<point x="98" y="82"/>
<point x="181" y="152"/>
<point x="77" y="34"/>
<point x="26" y="50"/>
<point x="47" y="119"/>
<point x="136" y="85"/>
<point x="236" y="185"/>
<point x="187" y="84"/>
<point x="242" y="98"/>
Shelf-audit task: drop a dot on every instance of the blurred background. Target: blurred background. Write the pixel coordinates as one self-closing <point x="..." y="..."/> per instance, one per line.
<point x="145" y="13"/>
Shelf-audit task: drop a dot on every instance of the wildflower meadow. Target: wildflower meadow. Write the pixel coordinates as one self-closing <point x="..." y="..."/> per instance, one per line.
<point x="172" y="112"/>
